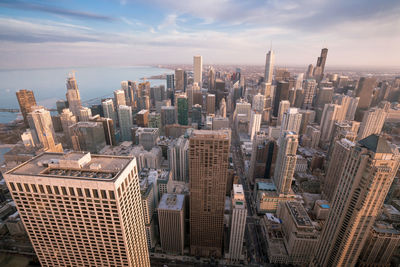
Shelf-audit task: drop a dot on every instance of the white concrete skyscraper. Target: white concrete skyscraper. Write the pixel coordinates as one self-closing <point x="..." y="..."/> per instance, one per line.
<point x="73" y="96"/>
<point x="372" y="122"/>
<point x="255" y="123"/>
<point x="81" y="209"/>
<point x="283" y="106"/>
<point x="286" y="162"/>
<point x="329" y="117"/>
<point x="291" y="121"/>
<point x="269" y="66"/>
<point x="198" y="70"/>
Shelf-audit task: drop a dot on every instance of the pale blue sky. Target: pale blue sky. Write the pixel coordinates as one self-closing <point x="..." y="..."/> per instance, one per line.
<point x="106" y="32"/>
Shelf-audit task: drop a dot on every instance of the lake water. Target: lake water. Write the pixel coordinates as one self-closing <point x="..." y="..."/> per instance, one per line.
<point x="49" y="84"/>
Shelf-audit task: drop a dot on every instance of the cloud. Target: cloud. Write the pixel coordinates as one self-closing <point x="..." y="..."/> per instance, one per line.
<point x="22" y="5"/>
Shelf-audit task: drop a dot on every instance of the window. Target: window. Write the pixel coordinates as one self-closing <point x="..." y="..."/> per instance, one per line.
<point x="79" y="190"/>
<point x="56" y="190"/>
<point x="103" y="194"/>
<point x="34" y="188"/>
<point x="95" y="193"/>
<point x="48" y="187"/>
<point x="87" y="192"/>
<point x="41" y="189"/>
<point x="12" y="186"/>
<point x="112" y="195"/>
<point x="71" y="191"/>
<point x="64" y="190"/>
<point x="19" y="187"/>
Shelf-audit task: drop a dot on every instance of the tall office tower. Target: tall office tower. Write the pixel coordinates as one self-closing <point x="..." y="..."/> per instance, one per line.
<point x="42" y="130"/>
<point x="220" y="123"/>
<point x="324" y="96"/>
<point x="88" y="186"/>
<point x="351" y="111"/>
<point x="258" y="102"/>
<point x="67" y="119"/>
<point x="243" y="108"/>
<point x="73" y="96"/>
<point x="211" y="79"/>
<point x="340" y="154"/>
<point x="171" y="218"/>
<point x="85" y="113"/>
<point x="125" y="122"/>
<point x="142" y="118"/>
<point x="87" y="136"/>
<point x="222" y="108"/>
<point x="381" y="245"/>
<point x="255" y="124"/>
<point x="61" y="105"/>
<point x="26" y="101"/>
<point x="364" y="91"/>
<point x="283" y="106"/>
<point x="108" y="128"/>
<point x="198" y="70"/>
<point x="363" y="185"/>
<point x="281" y="93"/>
<point x="307" y="117"/>
<point x="310" y="70"/>
<point x="291" y="122"/>
<point x="167" y="115"/>
<point x="372" y="122"/>
<point x="309" y="92"/>
<point x="208" y="168"/>
<point x="311" y="137"/>
<point x="238" y="223"/>
<point x="155" y="120"/>
<point x="178" y="159"/>
<point x="328" y="119"/>
<point x="300" y="235"/>
<point x="119" y="97"/>
<point x="182" y="103"/>
<point x="147" y="137"/>
<point x="299" y="81"/>
<point x="109" y="110"/>
<point x="171" y="81"/>
<point x="210" y="104"/>
<point x="320" y="66"/>
<point x="259" y="139"/>
<point x="180" y="80"/>
<point x="221" y="92"/>
<point x="130" y="90"/>
<point x="196" y="114"/>
<point x="286" y="162"/>
<point x="342" y="129"/>
<point x="269" y="66"/>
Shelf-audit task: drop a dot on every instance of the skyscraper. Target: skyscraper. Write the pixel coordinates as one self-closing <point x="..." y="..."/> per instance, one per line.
<point x="180" y="80"/>
<point x="309" y="93"/>
<point x="208" y="167"/>
<point x="269" y="66"/>
<point x="119" y="97"/>
<point x="364" y="91"/>
<point x="67" y="119"/>
<point x="171" y="81"/>
<point x="291" y="121"/>
<point x="283" y="106"/>
<point x="310" y="70"/>
<point x="109" y="110"/>
<point x="26" y="101"/>
<point x="372" y="122"/>
<point x="85" y="113"/>
<point x="182" y="102"/>
<point x="320" y="66"/>
<point x="210" y="104"/>
<point x="73" y="96"/>
<point x="363" y="185"/>
<point x="125" y="122"/>
<point x="286" y="162"/>
<point x="81" y="209"/>
<point x="211" y="79"/>
<point x="255" y="123"/>
<point x="258" y="102"/>
<point x="281" y="93"/>
<point x="198" y="70"/>
<point x="178" y="158"/>
<point x="238" y="223"/>
<point x="88" y="136"/>
<point x="171" y="218"/>
<point x="328" y="119"/>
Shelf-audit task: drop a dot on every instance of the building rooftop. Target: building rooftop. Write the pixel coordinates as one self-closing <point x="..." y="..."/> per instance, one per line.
<point x="171" y="202"/>
<point x="299" y="213"/>
<point x="74" y="165"/>
<point x="266" y="186"/>
<point x="212" y="134"/>
<point x="376" y="143"/>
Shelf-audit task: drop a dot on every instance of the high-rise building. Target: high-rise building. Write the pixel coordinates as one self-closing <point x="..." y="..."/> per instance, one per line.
<point x="171" y="218"/>
<point x="351" y="111"/>
<point x="310" y="70"/>
<point x="42" y="130"/>
<point x="258" y="102"/>
<point x="142" y="118"/>
<point x="198" y="70"/>
<point x="309" y="92"/>
<point x="196" y="114"/>
<point x="208" y="168"/>
<point x="283" y="106"/>
<point x="328" y="119"/>
<point x="26" y="101"/>
<point x="87" y="136"/>
<point x="299" y="81"/>
<point x="183" y="110"/>
<point x="109" y="129"/>
<point x="171" y="81"/>
<point x="324" y="96"/>
<point x="372" y="122"/>
<point x="318" y="73"/>
<point x="211" y="79"/>
<point x="340" y="153"/>
<point x="147" y="137"/>
<point x="73" y="96"/>
<point x="255" y="123"/>
<point x="95" y="217"/>
<point x="109" y="110"/>
<point x="67" y="119"/>
<point x="286" y="162"/>
<point x="155" y="120"/>
<point x="167" y="115"/>
<point x="180" y="80"/>
<point x="119" y="97"/>
<point x="307" y="117"/>
<point x="61" y="105"/>
<point x="85" y="113"/>
<point x="291" y="121"/>
<point x="178" y="158"/>
<point x="222" y="108"/>
<point x="269" y="66"/>
<point x="364" y="91"/>
<point x="281" y="93"/>
<point x="210" y="104"/>
<point x="238" y="223"/>
<point x="125" y="122"/>
<point x="368" y="172"/>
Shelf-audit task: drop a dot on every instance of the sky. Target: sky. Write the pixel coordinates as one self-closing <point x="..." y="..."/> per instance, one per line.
<point x="65" y="33"/>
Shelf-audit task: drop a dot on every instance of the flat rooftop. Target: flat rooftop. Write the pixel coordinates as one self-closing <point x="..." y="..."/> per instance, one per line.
<point x="74" y="165"/>
<point x="210" y="134"/>
<point x="171" y="202"/>
<point x="299" y="213"/>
